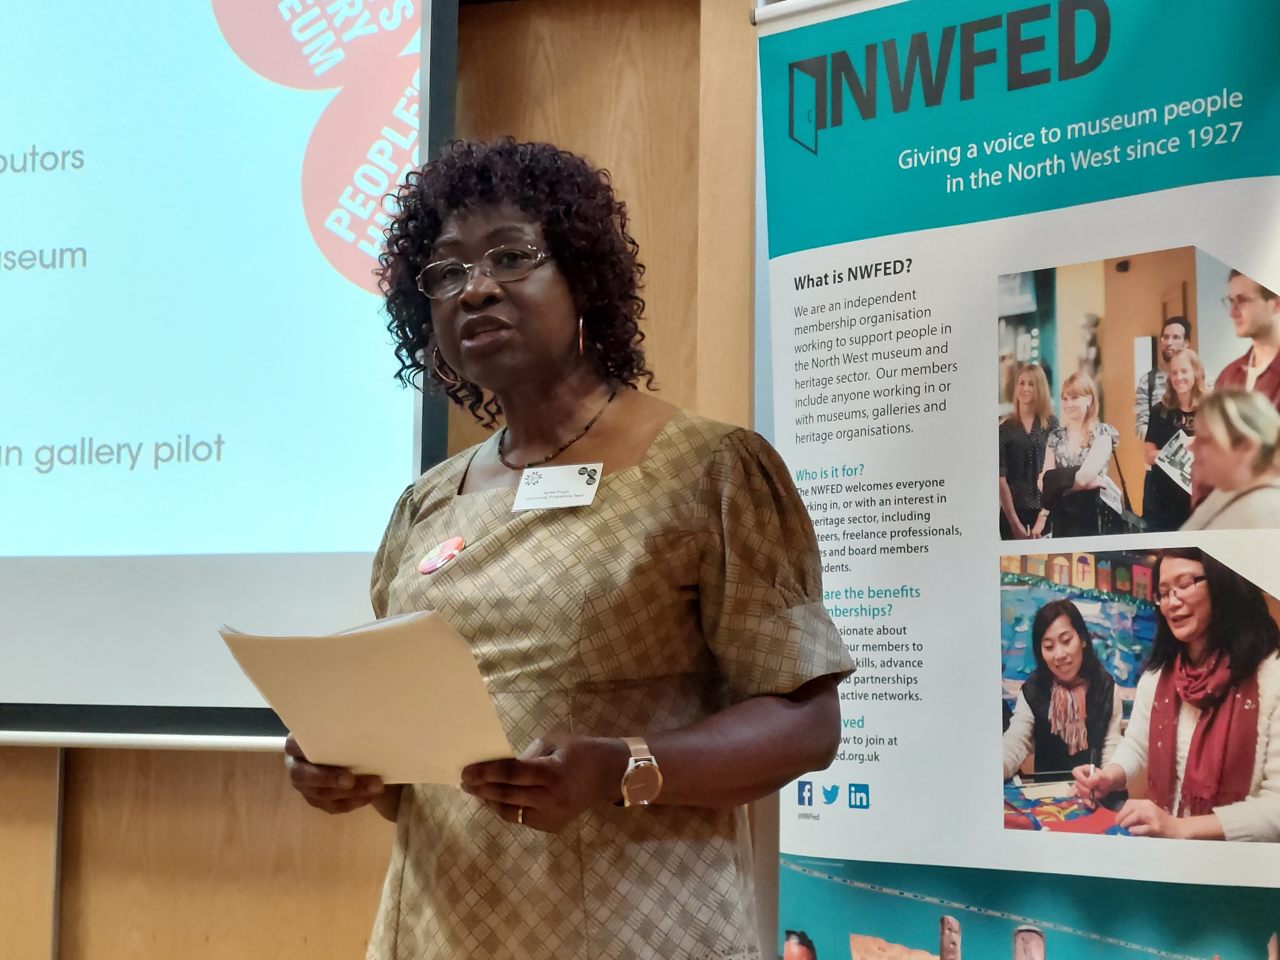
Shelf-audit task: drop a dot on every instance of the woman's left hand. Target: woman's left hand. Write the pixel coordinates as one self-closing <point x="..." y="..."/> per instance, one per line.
<point x="553" y="781"/>
<point x="1143" y="818"/>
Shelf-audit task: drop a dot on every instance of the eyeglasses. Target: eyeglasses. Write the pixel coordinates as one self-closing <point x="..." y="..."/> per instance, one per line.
<point x="1178" y="588"/>
<point x="506" y="264"/>
<point x="1238" y="303"/>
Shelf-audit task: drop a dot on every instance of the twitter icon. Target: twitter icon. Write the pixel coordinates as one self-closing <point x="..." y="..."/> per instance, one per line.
<point x="830" y="794"/>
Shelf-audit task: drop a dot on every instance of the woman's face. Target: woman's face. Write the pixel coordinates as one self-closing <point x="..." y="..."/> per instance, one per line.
<point x="1182" y="374"/>
<point x="1221" y="467"/>
<point x="1075" y="409"/>
<point x="1185" y="603"/>
<point x="1063" y="649"/>
<point x="1025" y="391"/>
<point x="500" y="334"/>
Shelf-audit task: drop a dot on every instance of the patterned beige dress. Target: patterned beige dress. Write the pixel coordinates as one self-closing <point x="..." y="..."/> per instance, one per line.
<point x="692" y="582"/>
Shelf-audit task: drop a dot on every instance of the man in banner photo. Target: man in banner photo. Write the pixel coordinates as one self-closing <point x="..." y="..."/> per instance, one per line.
<point x="981" y="217"/>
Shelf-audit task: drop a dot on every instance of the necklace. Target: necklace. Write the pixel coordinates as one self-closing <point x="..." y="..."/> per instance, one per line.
<point x="537" y="463"/>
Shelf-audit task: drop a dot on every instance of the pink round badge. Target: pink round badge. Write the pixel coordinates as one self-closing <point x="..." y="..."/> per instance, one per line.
<point x="441" y="554"/>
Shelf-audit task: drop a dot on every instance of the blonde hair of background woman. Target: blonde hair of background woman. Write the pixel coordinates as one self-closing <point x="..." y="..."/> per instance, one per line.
<point x="1082" y="385"/>
<point x="1170" y="398"/>
<point x="1042" y="405"/>
<point x="1233" y="417"/>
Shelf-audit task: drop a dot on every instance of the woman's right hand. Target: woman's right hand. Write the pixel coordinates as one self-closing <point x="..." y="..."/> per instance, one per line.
<point x="331" y="789"/>
<point x="1038" y="529"/>
<point x="1094" y="783"/>
<point x="1150" y="452"/>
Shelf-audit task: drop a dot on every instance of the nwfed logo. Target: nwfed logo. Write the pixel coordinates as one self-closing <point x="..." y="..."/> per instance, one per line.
<point x="816" y="86"/>
<point x="804" y="793"/>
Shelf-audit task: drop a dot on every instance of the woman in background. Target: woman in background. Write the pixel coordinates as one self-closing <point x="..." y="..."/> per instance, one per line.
<point x="1206" y="718"/>
<point x="1024" y="434"/>
<point x="1237" y="453"/>
<point x="1069" y="709"/>
<point x="1082" y="443"/>
<point x="1165" y="504"/>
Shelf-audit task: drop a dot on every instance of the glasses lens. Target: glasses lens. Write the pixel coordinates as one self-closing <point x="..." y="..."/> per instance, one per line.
<point x="443" y="279"/>
<point x="510" y="263"/>
<point x="1179" y="586"/>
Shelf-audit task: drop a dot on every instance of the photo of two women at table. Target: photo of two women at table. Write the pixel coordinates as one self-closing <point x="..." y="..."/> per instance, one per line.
<point x="1141" y="696"/>
<point x="1138" y="394"/>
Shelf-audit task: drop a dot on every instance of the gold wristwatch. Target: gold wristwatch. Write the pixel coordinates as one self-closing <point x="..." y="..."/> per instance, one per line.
<point x="642" y="782"/>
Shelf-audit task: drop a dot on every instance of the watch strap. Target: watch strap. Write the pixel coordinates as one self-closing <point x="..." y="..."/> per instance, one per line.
<point x="639" y="749"/>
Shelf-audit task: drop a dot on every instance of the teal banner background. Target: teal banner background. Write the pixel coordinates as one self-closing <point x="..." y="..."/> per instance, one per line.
<point x="1161" y="52"/>
<point x="1083" y="918"/>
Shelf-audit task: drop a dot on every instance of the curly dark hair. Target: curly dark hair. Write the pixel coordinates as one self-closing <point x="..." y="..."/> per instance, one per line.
<point x="585" y="226"/>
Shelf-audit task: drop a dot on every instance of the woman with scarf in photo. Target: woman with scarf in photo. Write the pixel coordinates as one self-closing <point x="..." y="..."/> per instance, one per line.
<point x="1069" y="709"/>
<point x="1206" y="718"/>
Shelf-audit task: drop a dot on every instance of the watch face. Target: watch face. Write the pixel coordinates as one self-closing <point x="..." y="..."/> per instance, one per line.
<point x="643" y="783"/>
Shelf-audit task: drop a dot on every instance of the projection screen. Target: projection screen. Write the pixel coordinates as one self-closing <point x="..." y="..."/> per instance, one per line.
<point x="198" y="421"/>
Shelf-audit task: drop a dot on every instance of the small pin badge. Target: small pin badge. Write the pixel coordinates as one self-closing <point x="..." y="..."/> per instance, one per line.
<point x="441" y="554"/>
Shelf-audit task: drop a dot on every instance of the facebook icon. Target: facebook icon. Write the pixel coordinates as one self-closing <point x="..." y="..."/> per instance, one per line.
<point x="805" y="793"/>
<point x="859" y="796"/>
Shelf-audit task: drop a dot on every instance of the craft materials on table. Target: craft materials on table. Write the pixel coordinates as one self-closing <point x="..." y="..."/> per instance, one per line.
<point x="1060" y="814"/>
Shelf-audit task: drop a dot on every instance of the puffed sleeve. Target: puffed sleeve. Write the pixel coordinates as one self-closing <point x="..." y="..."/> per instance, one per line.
<point x="387" y="560"/>
<point x="760" y="575"/>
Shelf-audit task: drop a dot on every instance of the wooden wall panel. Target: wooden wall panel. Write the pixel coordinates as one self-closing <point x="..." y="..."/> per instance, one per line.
<point x="726" y="210"/>
<point x="211" y="856"/>
<point x="28" y="851"/>
<point x="618" y="83"/>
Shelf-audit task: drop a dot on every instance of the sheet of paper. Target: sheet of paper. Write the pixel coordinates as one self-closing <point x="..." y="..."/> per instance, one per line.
<point x="546" y="488"/>
<point x="1175" y="460"/>
<point x="401" y="698"/>
<point x="1046" y="791"/>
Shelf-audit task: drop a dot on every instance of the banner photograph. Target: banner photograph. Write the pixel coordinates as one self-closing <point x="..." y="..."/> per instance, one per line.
<point x="1025" y="368"/>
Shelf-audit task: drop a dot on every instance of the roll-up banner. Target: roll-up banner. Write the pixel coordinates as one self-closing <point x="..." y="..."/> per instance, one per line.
<point x="1022" y="267"/>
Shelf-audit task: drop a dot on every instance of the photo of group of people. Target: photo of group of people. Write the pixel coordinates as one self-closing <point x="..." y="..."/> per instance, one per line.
<point x="1138" y="394"/>
<point x="854" y="910"/>
<point x="1140" y="696"/>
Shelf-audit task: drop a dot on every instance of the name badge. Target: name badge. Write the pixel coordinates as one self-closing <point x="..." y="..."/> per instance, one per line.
<point x="550" y="488"/>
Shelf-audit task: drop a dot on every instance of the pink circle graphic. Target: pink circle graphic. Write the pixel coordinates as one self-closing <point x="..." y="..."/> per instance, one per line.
<point x="362" y="146"/>
<point x="316" y="44"/>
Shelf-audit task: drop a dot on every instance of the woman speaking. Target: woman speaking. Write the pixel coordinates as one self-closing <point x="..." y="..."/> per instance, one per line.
<point x="658" y="658"/>
<point x="1206" y="717"/>
<point x="1069" y="709"/>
